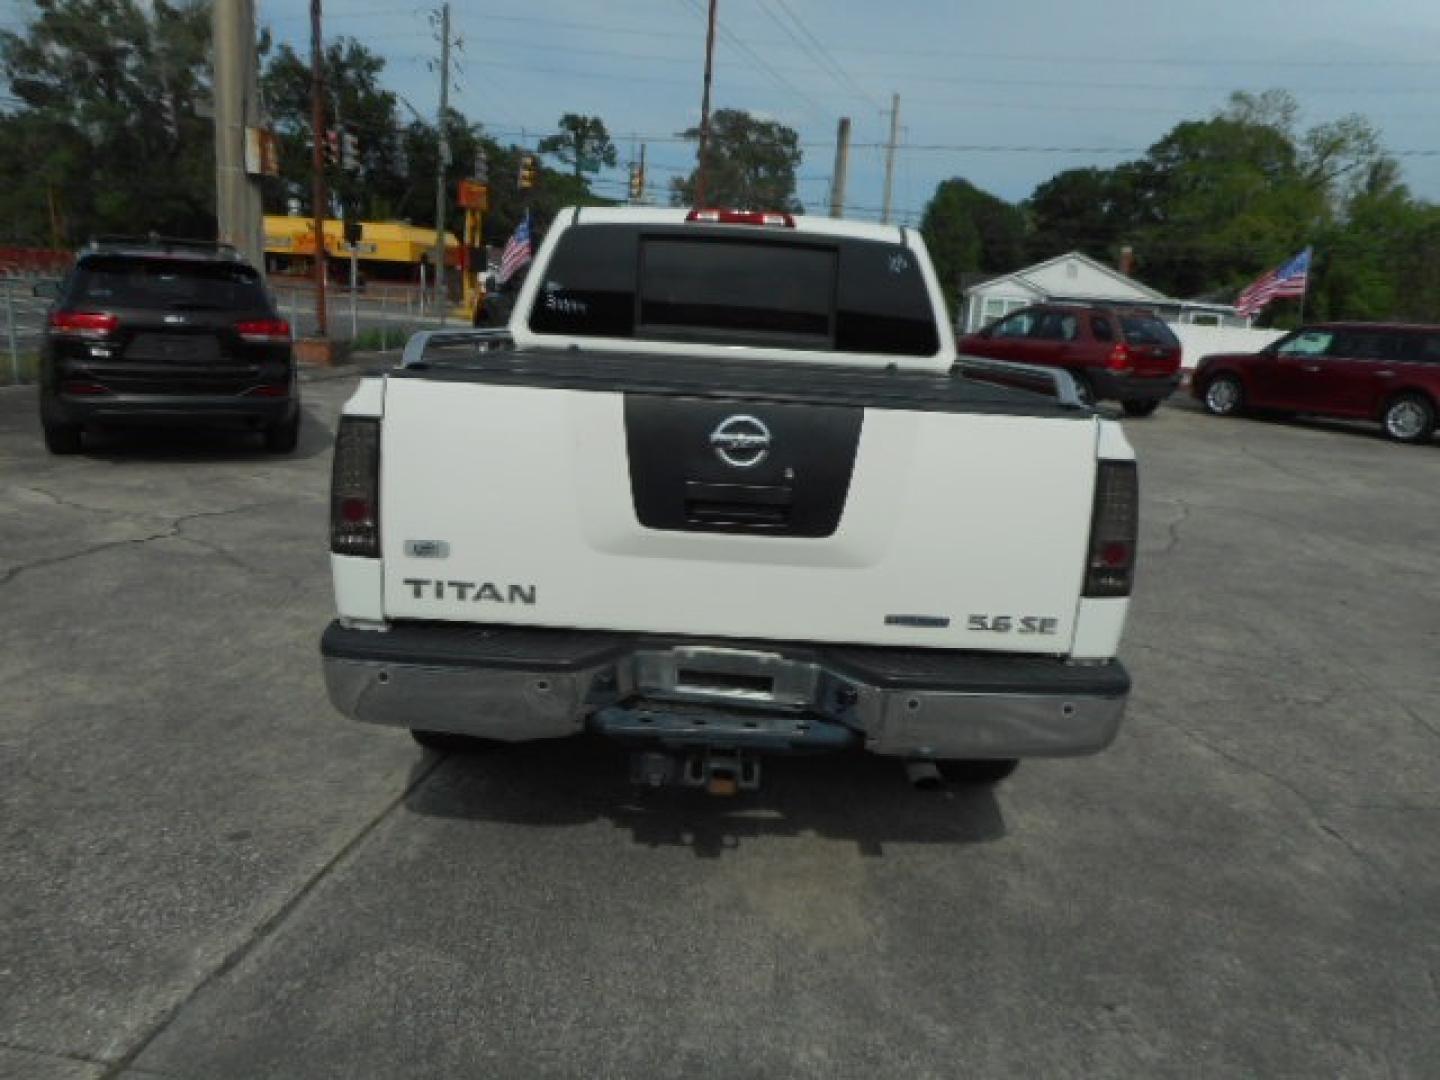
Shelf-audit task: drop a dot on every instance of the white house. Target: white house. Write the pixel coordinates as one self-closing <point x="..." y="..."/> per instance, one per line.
<point x="1072" y="277"/>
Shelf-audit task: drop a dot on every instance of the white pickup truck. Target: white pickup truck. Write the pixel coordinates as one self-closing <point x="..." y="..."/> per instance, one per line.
<point x="721" y="489"/>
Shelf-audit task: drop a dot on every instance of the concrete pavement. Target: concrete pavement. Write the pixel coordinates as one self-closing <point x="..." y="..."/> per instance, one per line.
<point x="211" y="875"/>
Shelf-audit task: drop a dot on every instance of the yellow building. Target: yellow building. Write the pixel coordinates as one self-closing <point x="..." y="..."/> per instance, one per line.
<point x="387" y="249"/>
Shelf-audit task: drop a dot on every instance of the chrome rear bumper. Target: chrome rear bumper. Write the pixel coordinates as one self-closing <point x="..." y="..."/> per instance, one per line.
<point x="516" y="684"/>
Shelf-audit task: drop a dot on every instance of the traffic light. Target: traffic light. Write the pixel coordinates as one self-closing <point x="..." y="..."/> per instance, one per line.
<point x="332" y="148"/>
<point x="637" y="182"/>
<point x="527" y="171"/>
<point x="350" y="151"/>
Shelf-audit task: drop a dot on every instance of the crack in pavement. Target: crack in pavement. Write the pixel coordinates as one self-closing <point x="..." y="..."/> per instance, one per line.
<point x="1311" y="810"/>
<point x="173" y="531"/>
<point x="271" y="923"/>
<point x="1173" y="527"/>
<point x="63" y="1055"/>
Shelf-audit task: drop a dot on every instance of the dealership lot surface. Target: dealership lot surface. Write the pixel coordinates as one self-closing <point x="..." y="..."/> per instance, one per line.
<point x="209" y="874"/>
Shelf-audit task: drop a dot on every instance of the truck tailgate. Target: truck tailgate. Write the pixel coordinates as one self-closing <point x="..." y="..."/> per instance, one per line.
<point x="654" y="509"/>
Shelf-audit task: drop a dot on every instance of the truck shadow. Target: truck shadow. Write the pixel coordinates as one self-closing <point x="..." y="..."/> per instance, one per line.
<point x="856" y="798"/>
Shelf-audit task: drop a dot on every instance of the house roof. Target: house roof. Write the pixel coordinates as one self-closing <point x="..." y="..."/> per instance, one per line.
<point x="1022" y="277"/>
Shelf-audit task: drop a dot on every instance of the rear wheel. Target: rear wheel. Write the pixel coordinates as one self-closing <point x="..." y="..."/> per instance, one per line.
<point x="977" y="771"/>
<point x="446" y="742"/>
<point x="1224" y="396"/>
<point x="281" y="438"/>
<point x="1409" y="418"/>
<point x="63" y="438"/>
<point x="1140" y="407"/>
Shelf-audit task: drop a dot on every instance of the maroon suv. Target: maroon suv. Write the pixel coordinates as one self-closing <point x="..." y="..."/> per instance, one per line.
<point x="1113" y="354"/>
<point x="1358" y="371"/>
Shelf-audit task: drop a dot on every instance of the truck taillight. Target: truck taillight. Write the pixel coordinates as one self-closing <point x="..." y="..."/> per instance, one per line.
<point x="1119" y="359"/>
<point x="355" y="488"/>
<point x="1114" y="529"/>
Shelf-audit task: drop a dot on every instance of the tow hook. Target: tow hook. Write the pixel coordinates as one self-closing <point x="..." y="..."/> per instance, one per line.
<point x="718" y="772"/>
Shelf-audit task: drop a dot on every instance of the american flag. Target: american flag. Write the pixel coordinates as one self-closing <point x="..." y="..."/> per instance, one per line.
<point x="518" y="251"/>
<point x="1288" y="280"/>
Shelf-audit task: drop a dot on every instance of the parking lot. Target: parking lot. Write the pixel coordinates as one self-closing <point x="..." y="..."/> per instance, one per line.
<point x="208" y="873"/>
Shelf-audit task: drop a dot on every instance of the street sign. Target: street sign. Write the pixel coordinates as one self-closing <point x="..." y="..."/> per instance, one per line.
<point x="474" y="195"/>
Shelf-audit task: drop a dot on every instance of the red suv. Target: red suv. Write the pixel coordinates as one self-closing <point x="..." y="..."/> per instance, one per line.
<point x="1359" y="371"/>
<point x="1113" y="354"/>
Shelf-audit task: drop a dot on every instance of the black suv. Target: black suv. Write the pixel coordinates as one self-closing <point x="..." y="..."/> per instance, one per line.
<point x="166" y="331"/>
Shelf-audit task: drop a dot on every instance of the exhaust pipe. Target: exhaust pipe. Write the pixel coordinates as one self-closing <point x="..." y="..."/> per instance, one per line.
<point x="923" y="775"/>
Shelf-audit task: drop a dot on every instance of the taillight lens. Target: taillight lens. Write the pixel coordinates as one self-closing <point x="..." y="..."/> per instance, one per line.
<point x="355" y="488"/>
<point x="264" y="331"/>
<point x="1119" y="358"/>
<point x="89" y="324"/>
<point x="1114" y="529"/>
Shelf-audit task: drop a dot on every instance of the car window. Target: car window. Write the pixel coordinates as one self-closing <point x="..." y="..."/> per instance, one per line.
<point x="1100" y="327"/>
<point x="1426" y="350"/>
<point x="1057" y="326"/>
<point x="1306" y="343"/>
<point x="120" y="281"/>
<point x="1360" y="346"/>
<point x="1018" y="325"/>
<point x="1147" y="330"/>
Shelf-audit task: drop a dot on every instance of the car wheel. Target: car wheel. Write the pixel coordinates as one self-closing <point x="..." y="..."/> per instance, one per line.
<point x="978" y="770"/>
<point x="1224" y="396"/>
<point x="1134" y="407"/>
<point x="1409" y="418"/>
<point x="281" y="438"/>
<point x="447" y="742"/>
<point x="63" y="438"/>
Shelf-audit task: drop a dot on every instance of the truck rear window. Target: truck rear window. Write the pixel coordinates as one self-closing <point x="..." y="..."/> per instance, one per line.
<point x="126" y="282"/>
<point x="720" y="285"/>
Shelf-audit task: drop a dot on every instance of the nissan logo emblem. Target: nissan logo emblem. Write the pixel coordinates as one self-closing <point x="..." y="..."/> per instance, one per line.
<point x="741" y="441"/>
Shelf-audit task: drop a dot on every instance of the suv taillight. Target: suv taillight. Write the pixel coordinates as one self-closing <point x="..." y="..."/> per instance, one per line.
<point x="264" y="331"/>
<point x="355" y="488"/>
<point x="1119" y="358"/>
<point x="88" y="324"/>
<point x="1114" y="528"/>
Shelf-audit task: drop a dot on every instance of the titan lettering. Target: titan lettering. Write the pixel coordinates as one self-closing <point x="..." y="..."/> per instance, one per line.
<point x="487" y="591"/>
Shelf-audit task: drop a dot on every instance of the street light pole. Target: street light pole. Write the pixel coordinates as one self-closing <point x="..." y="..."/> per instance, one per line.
<point x="440" y="299"/>
<point x="317" y="163"/>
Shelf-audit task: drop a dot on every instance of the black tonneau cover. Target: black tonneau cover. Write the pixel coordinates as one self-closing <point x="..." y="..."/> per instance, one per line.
<point x="732" y="380"/>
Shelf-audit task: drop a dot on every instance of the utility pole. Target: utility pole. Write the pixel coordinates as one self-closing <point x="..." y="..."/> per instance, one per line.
<point x="444" y="160"/>
<point x="317" y="164"/>
<point x="890" y="156"/>
<point x="237" y="93"/>
<point x="705" y="108"/>
<point x="842" y="159"/>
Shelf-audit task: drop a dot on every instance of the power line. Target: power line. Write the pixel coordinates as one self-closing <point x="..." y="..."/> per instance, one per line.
<point x="815" y="50"/>
<point x="735" y="42"/>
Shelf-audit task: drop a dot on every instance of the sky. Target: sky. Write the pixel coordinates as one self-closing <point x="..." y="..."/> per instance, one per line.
<point x="1004" y="94"/>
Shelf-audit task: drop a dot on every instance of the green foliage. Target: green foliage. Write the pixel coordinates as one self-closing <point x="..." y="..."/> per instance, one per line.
<point x="750" y="164"/>
<point x="107" y="137"/>
<point x="969" y="230"/>
<point x="582" y="142"/>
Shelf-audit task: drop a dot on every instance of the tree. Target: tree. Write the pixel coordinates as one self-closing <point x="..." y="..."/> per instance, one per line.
<point x="750" y="164"/>
<point x="967" y="229"/>
<point x="106" y="137"/>
<point x="379" y="185"/>
<point x="582" y="142"/>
